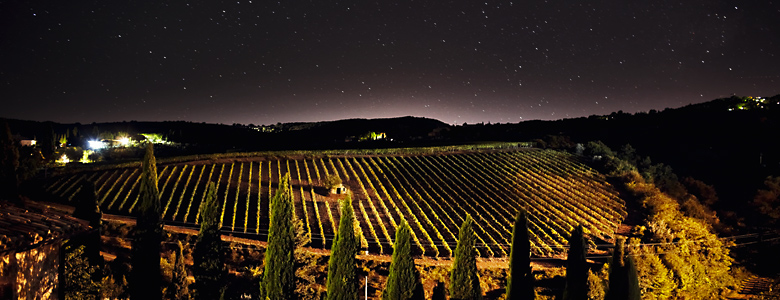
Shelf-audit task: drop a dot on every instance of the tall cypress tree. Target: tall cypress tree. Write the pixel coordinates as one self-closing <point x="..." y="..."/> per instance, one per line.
<point x="145" y="277"/>
<point x="342" y="273"/>
<point x="208" y="256"/>
<point x="576" y="267"/>
<point x="87" y="208"/>
<point x="520" y="284"/>
<point x="633" y="279"/>
<point x="464" y="279"/>
<point x="279" y="275"/>
<point x="403" y="282"/>
<point x="623" y="280"/>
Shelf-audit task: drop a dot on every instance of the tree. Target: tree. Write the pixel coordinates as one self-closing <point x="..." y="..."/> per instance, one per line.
<point x="179" y="289"/>
<point x="145" y="276"/>
<point x="623" y="281"/>
<point x="520" y="284"/>
<point x="342" y="274"/>
<point x="464" y="279"/>
<point x="597" y="148"/>
<point x="332" y="181"/>
<point x="766" y="200"/>
<point x="279" y="274"/>
<point x="439" y="292"/>
<point x="576" y="267"/>
<point x="403" y="282"/>
<point x="208" y="256"/>
<point x="9" y="164"/>
<point x="87" y="208"/>
<point x="79" y="282"/>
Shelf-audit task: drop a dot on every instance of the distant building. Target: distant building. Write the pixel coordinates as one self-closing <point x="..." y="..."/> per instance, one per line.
<point x="338" y="189"/>
<point x="25" y="141"/>
<point x="28" y="143"/>
<point x="31" y="240"/>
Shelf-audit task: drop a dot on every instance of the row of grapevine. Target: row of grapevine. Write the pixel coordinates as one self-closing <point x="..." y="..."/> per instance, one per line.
<point x="433" y="193"/>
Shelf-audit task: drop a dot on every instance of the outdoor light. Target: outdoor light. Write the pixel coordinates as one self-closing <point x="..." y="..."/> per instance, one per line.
<point x="96" y="145"/>
<point x="64" y="159"/>
<point x="124" y="141"/>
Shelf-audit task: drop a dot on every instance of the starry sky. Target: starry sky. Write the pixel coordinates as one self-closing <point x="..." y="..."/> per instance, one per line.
<point x="264" y="62"/>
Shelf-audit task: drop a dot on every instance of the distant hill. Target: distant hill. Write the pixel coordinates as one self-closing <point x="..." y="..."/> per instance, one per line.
<point x="214" y="138"/>
<point x="731" y="143"/>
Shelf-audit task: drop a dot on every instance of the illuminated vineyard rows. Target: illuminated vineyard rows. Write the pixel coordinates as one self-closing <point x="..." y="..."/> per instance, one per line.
<point x="433" y="193"/>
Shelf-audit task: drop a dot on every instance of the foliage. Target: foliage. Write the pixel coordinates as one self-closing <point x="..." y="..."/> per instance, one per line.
<point x="78" y="272"/>
<point x="704" y="192"/>
<point x="767" y="200"/>
<point x="279" y="274"/>
<point x="302" y="236"/>
<point x="623" y="283"/>
<point x="332" y="181"/>
<point x="576" y="267"/>
<point x="342" y="274"/>
<point x="311" y="274"/>
<point x="464" y="279"/>
<point x="145" y="278"/>
<point x="698" y="263"/>
<point x="208" y="256"/>
<point x="597" y="285"/>
<point x="663" y="177"/>
<point x="403" y="282"/>
<point x="179" y="289"/>
<point x="597" y="148"/>
<point x="655" y="279"/>
<point x="111" y="288"/>
<point x="520" y="284"/>
<point x="628" y="154"/>
<point x="9" y="163"/>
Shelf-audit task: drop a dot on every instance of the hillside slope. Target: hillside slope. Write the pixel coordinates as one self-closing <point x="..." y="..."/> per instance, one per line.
<point x="432" y="192"/>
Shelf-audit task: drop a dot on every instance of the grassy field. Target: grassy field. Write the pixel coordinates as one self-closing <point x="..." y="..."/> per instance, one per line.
<point x="432" y="191"/>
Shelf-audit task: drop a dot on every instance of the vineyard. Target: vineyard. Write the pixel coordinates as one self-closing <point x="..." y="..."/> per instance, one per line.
<point x="433" y="193"/>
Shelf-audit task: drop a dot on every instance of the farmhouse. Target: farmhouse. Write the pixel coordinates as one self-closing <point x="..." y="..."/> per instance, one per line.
<point x="31" y="239"/>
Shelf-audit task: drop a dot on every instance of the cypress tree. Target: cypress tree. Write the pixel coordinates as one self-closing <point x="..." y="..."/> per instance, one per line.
<point x="87" y="208"/>
<point x="208" y="256"/>
<point x="86" y="204"/>
<point x="403" y="282"/>
<point x="464" y="279"/>
<point x="623" y="280"/>
<point x="576" y="268"/>
<point x="520" y="284"/>
<point x="145" y="276"/>
<point x="342" y="274"/>
<point x="439" y="292"/>
<point x="179" y="289"/>
<point x="279" y="275"/>
<point x="633" y="280"/>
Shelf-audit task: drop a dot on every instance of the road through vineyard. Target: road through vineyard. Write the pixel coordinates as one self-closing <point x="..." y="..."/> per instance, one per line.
<point x="433" y="193"/>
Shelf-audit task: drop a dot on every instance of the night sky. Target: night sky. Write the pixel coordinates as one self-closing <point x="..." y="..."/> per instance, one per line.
<point x="264" y="62"/>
